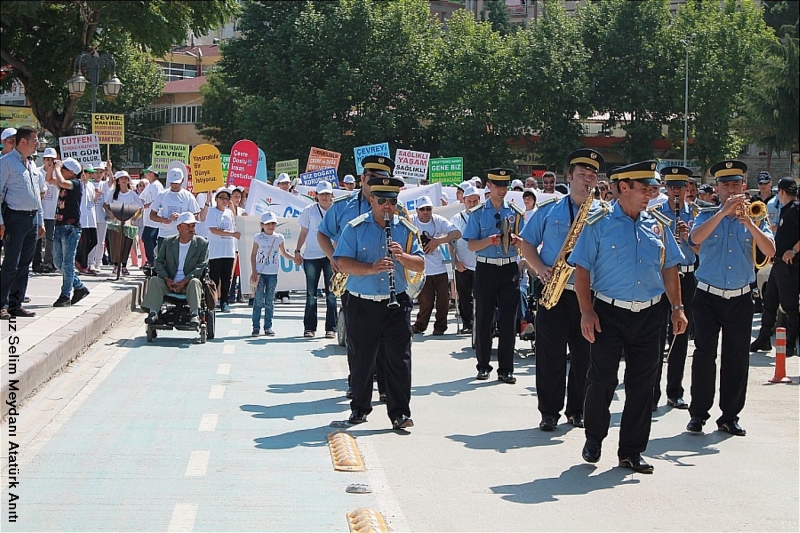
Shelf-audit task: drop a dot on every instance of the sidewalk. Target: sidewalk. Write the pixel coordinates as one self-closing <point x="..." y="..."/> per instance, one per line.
<point x="56" y="335"/>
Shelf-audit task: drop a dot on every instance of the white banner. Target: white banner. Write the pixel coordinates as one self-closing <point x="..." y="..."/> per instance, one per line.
<point x="264" y="197"/>
<point x="308" y="190"/>
<point x="291" y="276"/>
<point x="411" y="164"/>
<point x="409" y="196"/>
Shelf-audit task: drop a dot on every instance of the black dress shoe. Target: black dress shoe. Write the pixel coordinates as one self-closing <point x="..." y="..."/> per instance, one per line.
<point x="761" y="345"/>
<point x="591" y="451"/>
<point x="637" y="464"/>
<point x="677" y="403"/>
<point x="357" y="417"/>
<point x="576" y="420"/>
<point x="466" y="331"/>
<point x="732" y="427"/>
<point x="695" y="425"/>
<point x="483" y="375"/>
<point x="507" y="378"/>
<point x="382" y="397"/>
<point x="402" y="422"/>
<point x="20" y="312"/>
<point x="548" y="423"/>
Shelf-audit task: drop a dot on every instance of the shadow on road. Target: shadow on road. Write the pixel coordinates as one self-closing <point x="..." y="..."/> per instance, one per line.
<point x="307" y="438"/>
<point x="290" y="388"/>
<point x="502" y="441"/>
<point x="289" y="411"/>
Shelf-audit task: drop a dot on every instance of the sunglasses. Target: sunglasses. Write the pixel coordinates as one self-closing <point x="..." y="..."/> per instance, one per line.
<point x="424" y="209"/>
<point x="382" y="200"/>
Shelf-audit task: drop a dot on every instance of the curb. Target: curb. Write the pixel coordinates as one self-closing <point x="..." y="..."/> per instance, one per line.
<point x="36" y="366"/>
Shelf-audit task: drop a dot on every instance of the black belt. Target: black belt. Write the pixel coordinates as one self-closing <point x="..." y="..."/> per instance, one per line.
<point x="27" y="213"/>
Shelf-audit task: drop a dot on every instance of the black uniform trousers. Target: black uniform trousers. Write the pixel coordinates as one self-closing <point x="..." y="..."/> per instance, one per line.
<point x="464" y="283"/>
<point x="734" y="317"/>
<point x="636" y="334"/>
<point x="677" y="357"/>
<point x="555" y="329"/>
<point x="370" y="324"/>
<point x="496" y="285"/>
<point x="380" y="371"/>
<point x="782" y="289"/>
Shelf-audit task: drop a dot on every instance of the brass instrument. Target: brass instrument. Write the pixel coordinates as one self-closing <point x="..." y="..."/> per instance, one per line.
<point x="505" y="235"/>
<point x="393" y="303"/>
<point x="561" y="269"/>
<point x="757" y="211"/>
<point x="338" y="284"/>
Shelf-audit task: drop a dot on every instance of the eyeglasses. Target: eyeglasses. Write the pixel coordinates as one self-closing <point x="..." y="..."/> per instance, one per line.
<point x="382" y="200"/>
<point x="424" y="209"/>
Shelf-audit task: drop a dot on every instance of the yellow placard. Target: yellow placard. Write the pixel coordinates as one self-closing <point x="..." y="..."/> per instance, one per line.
<point x="16" y="117"/>
<point x="206" y="165"/>
<point x="110" y="128"/>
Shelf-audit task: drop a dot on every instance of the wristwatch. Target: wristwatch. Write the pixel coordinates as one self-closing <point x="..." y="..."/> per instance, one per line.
<point x="677" y="308"/>
<point x="297" y="251"/>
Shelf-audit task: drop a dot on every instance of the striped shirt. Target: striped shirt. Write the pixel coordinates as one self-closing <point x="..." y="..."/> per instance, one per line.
<point x="19" y="185"/>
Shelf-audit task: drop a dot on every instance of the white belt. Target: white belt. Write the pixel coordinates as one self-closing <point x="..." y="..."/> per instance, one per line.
<point x="378" y="298"/>
<point x="569" y="287"/>
<point x="630" y="306"/>
<point x="685" y="268"/>
<point x="722" y="292"/>
<point x="500" y="261"/>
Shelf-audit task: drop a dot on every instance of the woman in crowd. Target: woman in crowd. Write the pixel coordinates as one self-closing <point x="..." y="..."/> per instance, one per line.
<point x="220" y="225"/>
<point x="121" y="193"/>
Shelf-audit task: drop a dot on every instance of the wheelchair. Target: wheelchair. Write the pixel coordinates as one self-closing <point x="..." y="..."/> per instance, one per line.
<point x="175" y="314"/>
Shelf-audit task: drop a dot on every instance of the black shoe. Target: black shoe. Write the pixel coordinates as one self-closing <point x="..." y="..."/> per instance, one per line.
<point x="732" y="427"/>
<point x="548" y="423"/>
<point x="194" y="319"/>
<point x="576" y="420"/>
<point x="761" y="345"/>
<point x="507" y="378"/>
<point x="79" y="295"/>
<point x="655" y="407"/>
<point x="402" y="422"/>
<point x="63" y="301"/>
<point x="357" y="417"/>
<point x="349" y="393"/>
<point x="591" y="451"/>
<point x="695" y="425"/>
<point x="677" y="403"/>
<point x="438" y="333"/>
<point x="415" y="330"/>
<point x="20" y="312"/>
<point x="637" y="464"/>
<point x="382" y="397"/>
<point x="483" y="375"/>
<point x="152" y="318"/>
<point x="466" y="331"/>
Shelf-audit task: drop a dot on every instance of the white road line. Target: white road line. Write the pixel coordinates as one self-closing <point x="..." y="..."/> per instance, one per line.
<point x="382" y="489"/>
<point x="224" y="369"/>
<point x="208" y="422"/>
<point x="233" y="332"/>
<point x="228" y="349"/>
<point x="30" y="451"/>
<point x="217" y="392"/>
<point x="198" y="464"/>
<point x="183" y="516"/>
<point x="236" y="321"/>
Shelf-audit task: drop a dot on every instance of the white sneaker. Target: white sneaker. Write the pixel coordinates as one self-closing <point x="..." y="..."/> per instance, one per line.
<point x="269" y="332"/>
<point x="285" y="300"/>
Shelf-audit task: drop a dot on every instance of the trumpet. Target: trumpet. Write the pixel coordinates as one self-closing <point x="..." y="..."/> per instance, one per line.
<point x="756" y="211"/>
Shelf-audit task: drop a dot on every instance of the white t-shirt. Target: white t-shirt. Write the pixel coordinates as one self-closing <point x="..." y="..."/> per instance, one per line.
<point x="269" y="252"/>
<point x="310" y="219"/>
<point x="436" y="227"/>
<point x="463" y="252"/>
<point x="219" y="246"/>
<point x="88" y="214"/>
<point x="169" y="202"/>
<point x="129" y="197"/>
<point x="183" y="251"/>
<point x="148" y="196"/>
<point x="100" y="213"/>
<point x="50" y="199"/>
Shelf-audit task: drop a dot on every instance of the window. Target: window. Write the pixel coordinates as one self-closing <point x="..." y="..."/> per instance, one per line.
<point x="177" y="71"/>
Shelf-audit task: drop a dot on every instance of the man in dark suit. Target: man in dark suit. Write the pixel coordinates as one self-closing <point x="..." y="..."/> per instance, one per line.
<point x="180" y="263"/>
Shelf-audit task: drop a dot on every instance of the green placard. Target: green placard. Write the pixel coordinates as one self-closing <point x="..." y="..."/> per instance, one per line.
<point x="291" y="167"/>
<point x="446" y="170"/>
<point x="225" y="159"/>
<point x="165" y="153"/>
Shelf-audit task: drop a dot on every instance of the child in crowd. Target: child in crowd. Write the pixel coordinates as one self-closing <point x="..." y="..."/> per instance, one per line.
<point x="264" y="267"/>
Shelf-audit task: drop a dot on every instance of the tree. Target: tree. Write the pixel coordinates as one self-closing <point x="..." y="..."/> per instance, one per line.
<point x="782" y="16"/>
<point x="41" y="39"/>
<point x="498" y="16"/>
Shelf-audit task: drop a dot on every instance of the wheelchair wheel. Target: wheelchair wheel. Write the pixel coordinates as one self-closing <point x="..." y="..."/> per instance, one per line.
<point x="341" y="331"/>
<point x="151" y="333"/>
<point x="203" y="334"/>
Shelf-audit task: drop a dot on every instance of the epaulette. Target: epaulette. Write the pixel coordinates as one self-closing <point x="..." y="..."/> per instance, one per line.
<point x="658" y="215"/>
<point x="517" y="209"/>
<point x="402" y="212"/>
<point x="549" y="201"/>
<point x="476" y="208"/>
<point x="694" y="208"/>
<point x="411" y="227"/>
<point x="343" y="197"/>
<point x="712" y="209"/>
<point x="596" y="214"/>
<point x="359" y="219"/>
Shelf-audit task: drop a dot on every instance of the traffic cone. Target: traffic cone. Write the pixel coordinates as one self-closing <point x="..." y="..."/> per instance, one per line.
<point x="780" y="357"/>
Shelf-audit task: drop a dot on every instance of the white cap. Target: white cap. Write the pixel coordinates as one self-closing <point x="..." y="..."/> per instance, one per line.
<point x="8" y="132"/>
<point x="324" y="187"/>
<point x="463" y="184"/>
<point x="186" y="218"/>
<point x="101" y="165"/>
<point x="283" y="177"/>
<point x="121" y="174"/>
<point x="423" y="201"/>
<point x="72" y="164"/>
<point x="349" y="179"/>
<point x="476" y="179"/>
<point x="269" y="217"/>
<point x="517" y="183"/>
<point x="175" y="175"/>
<point x="469" y="190"/>
<point x="50" y="152"/>
<point x="225" y="190"/>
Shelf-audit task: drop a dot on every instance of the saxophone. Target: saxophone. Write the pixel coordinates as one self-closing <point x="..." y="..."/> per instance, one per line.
<point x="561" y="270"/>
<point x="338" y="284"/>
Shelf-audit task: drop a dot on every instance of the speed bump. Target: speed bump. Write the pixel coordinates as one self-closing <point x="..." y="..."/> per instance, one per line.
<point x="344" y="452"/>
<point x="366" y="521"/>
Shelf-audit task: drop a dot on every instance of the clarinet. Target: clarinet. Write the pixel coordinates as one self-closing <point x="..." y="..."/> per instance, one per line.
<point x="677" y="206"/>
<point x="393" y="303"/>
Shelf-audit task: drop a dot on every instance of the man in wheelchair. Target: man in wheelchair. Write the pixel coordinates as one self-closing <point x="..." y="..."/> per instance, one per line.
<point x="180" y="264"/>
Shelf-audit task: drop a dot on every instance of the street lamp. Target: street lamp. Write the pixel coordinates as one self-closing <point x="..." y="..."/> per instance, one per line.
<point x="94" y="63"/>
<point x="686" y="43"/>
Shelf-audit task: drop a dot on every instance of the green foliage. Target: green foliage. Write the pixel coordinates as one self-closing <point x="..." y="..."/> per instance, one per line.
<point x="783" y="16"/>
<point x="498" y="16"/>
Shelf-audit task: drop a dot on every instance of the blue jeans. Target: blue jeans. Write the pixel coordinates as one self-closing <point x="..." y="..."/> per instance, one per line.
<point x="313" y="268"/>
<point x="265" y="299"/>
<point x="65" y="244"/>
<point x="150" y="238"/>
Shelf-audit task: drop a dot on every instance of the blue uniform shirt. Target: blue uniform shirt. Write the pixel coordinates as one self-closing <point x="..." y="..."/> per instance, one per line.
<point x="341" y="212"/>
<point x="688" y="217"/>
<point x="624" y="256"/>
<point x="484" y="222"/>
<point x="726" y="256"/>
<point x="365" y="241"/>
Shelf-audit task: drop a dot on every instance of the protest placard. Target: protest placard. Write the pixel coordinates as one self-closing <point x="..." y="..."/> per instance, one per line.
<point x="225" y="158"/>
<point x="316" y="176"/>
<point x="109" y="128"/>
<point x="319" y="159"/>
<point x="206" y="165"/>
<point x="371" y="149"/>
<point x="290" y="167"/>
<point x="243" y="163"/>
<point x="84" y="148"/>
<point x="264" y="197"/>
<point x="261" y="168"/>
<point x="411" y="164"/>
<point x="448" y="170"/>
<point x="163" y="153"/>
